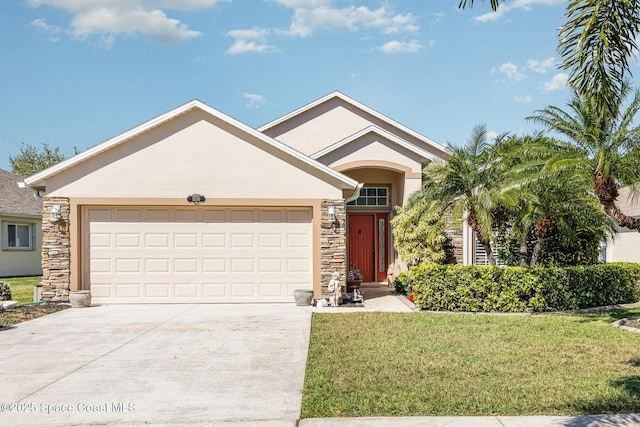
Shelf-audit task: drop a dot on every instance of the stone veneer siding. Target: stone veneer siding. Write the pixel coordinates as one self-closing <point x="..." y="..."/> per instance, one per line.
<point x="333" y="244"/>
<point x="454" y="244"/>
<point x="56" y="256"/>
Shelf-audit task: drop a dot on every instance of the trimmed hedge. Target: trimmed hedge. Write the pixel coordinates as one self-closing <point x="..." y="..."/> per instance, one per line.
<point x="515" y="289"/>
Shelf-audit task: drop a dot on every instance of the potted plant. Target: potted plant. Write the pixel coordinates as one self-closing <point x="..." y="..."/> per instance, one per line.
<point x="354" y="278"/>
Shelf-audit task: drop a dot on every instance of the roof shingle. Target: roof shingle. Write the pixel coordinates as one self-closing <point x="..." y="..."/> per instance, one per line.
<point x="15" y="200"/>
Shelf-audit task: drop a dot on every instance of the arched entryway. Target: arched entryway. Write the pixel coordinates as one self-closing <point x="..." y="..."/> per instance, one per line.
<point x="369" y="239"/>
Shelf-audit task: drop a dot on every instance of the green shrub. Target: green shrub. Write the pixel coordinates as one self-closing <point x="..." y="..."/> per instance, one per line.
<point x="515" y="289"/>
<point x="403" y="283"/>
<point x="5" y="291"/>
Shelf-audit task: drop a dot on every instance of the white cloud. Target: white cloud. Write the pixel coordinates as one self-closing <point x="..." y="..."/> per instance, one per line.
<point x="437" y="17"/>
<point x="107" y="19"/>
<point x="524" y="99"/>
<point x="558" y="82"/>
<point x="511" y="72"/>
<point x="541" y="66"/>
<point x="53" y="31"/>
<point x="314" y="15"/>
<point x="253" y="100"/>
<point x="396" y="46"/>
<point x="515" y="4"/>
<point x="250" y="41"/>
<point x="492" y="135"/>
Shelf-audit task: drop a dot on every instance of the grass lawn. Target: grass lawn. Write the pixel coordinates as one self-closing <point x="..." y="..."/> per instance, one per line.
<point x="403" y="364"/>
<point x="22" y="288"/>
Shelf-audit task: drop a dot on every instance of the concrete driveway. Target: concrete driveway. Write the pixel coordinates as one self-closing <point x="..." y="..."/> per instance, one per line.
<point x="195" y="364"/>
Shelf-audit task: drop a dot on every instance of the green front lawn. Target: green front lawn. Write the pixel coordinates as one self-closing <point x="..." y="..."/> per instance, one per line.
<point x="22" y="288"/>
<point x="393" y="364"/>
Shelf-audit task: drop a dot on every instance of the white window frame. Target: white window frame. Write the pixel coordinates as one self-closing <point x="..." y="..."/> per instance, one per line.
<point x="363" y="194"/>
<point x="5" y="236"/>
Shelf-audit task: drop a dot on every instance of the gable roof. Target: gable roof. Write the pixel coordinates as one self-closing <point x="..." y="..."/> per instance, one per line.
<point x="16" y="201"/>
<point x="39" y="180"/>
<point x="377" y="131"/>
<point x="358" y="105"/>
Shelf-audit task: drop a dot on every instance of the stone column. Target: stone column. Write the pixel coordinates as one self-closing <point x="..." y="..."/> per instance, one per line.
<point x="333" y="243"/>
<point x="56" y="256"/>
<point x="454" y="245"/>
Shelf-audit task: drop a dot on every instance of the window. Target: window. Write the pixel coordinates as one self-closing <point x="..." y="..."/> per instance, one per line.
<point x="480" y="256"/>
<point x="17" y="236"/>
<point x="372" y="196"/>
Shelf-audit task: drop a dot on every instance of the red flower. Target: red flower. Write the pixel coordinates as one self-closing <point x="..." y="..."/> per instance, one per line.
<point x="411" y="297"/>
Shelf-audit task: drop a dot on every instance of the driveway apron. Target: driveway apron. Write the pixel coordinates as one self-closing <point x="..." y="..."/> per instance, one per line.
<point x="195" y="364"/>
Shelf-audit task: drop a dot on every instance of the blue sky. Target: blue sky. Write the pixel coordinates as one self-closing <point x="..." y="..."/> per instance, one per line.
<point x="77" y="72"/>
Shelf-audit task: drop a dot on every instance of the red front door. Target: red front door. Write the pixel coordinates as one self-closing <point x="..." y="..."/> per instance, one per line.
<point x="362" y="245"/>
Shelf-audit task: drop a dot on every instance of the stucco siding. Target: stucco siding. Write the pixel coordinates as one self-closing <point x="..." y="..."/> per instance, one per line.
<point x="373" y="148"/>
<point x="332" y="121"/>
<point x="193" y="153"/>
<point x="625" y="247"/>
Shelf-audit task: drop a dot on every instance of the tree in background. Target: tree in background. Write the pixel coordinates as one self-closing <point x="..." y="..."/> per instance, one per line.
<point x="31" y="160"/>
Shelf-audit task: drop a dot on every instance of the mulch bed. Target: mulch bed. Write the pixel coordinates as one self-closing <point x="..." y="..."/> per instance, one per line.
<point x="22" y="313"/>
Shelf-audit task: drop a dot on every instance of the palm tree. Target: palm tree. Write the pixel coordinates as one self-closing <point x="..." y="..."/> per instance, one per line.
<point x="601" y="148"/>
<point x="595" y="44"/>
<point x="465" y="183"/>
<point x="548" y="204"/>
<point x="464" y="3"/>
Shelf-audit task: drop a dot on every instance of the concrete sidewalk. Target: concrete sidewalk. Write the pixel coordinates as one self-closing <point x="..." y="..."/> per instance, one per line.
<point x="629" y="420"/>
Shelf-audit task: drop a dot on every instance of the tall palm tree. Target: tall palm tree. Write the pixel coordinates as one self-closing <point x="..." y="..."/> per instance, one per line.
<point x="595" y="44"/>
<point x="601" y="148"/>
<point x="465" y="183"/>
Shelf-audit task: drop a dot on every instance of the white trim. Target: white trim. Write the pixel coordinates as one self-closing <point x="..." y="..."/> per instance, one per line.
<point x="378" y="131"/>
<point x="356" y="104"/>
<point x="39" y="180"/>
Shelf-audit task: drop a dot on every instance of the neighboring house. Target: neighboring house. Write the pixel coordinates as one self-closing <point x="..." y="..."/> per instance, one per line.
<point x="20" y="228"/>
<point x="195" y="206"/>
<point x="625" y="245"/>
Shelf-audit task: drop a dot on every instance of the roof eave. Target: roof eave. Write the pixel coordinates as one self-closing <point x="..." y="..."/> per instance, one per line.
<point x="378" y="131"/>
<point x="38" y="181"/>
<point x="340" y="95"/>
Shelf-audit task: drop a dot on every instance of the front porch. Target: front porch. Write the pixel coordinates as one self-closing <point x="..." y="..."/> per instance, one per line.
<point x="377" y="297"/>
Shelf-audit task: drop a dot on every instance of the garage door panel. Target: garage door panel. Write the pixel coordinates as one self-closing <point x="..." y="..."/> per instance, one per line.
<point x="217" y="240"/>
<point x="214" y="290"/>
<point x="157" y="290"/>
<point x="158" y="215"/>
<point x="128" y="215"/>
<point x="197" y="254"/>
<point x="100" y="290"/>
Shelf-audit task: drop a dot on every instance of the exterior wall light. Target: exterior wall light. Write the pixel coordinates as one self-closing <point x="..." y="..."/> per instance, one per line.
<point x="332" y="213"/>
<point x="196" y="199"/>
<point x="55" y="213"/>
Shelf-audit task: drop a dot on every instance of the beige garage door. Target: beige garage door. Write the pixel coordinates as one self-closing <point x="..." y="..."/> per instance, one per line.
<point x="198" y="254"/>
